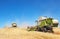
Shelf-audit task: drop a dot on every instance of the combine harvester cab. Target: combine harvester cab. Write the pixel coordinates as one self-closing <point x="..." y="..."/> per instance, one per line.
<point x="55" y="23"/>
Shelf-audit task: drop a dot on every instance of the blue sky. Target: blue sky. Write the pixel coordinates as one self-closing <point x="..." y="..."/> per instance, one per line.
<point x="27" y="11"/>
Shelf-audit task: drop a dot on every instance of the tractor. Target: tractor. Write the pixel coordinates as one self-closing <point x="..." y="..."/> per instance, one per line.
<point x="14" y="25"/>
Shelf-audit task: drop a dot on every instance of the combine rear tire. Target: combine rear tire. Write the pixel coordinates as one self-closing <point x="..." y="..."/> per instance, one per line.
<point x="50" y="29"/>
<point x="45" y="30"/>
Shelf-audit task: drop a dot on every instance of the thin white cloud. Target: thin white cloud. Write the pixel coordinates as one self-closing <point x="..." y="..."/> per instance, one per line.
<point x="18" y="22"/>
<point x="47" y="13"/>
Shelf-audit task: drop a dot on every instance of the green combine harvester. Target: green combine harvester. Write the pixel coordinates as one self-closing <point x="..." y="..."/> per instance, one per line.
<point x="44" y="24"/>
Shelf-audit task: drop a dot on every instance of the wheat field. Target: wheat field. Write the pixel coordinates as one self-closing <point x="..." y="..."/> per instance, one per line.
<point x="20" y="33"/>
